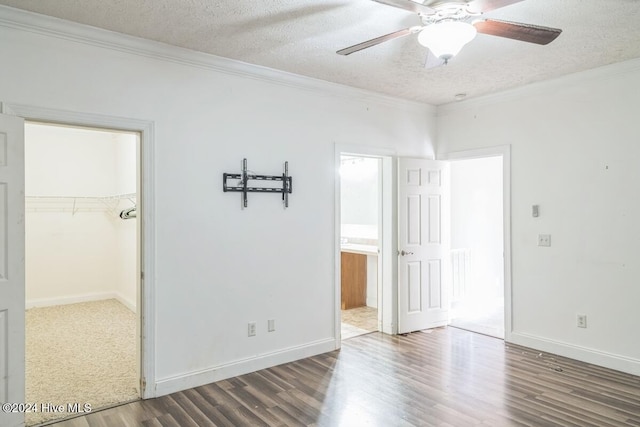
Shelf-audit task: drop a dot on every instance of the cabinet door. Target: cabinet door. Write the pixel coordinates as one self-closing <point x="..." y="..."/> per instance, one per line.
<point x="354" y="280"/>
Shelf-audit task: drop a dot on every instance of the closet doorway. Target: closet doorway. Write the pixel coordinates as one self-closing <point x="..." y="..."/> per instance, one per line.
<point x="83" y="240"/>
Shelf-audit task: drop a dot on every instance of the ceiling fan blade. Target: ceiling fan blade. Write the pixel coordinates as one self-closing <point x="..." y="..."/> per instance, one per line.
<point x="517" y="31"/>
<point x="409" y="5"/>
<point x="356" y="47"/>
<point x="489" y="5"/>
<point x="432" y="61"/>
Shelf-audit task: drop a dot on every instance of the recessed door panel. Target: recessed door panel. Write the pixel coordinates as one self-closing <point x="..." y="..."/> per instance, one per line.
<point x="414" y="275"/>
<point x="4" y="356"/>
<point x="414" y="224"/>
<point x="435" y="284"/>
<point x="3" y="149"/>
<point x="414" y="177"/>
<point x="4" y="242"/>
<point x="435" y="177"/>
<point x="434" y="219"/>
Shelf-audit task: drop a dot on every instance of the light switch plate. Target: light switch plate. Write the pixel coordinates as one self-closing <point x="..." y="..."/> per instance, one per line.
<point x="251" y="329"/>
<point x="581" y="320"/>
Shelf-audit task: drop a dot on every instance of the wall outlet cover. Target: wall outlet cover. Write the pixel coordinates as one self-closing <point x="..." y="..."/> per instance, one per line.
<point x="544" y="239"/>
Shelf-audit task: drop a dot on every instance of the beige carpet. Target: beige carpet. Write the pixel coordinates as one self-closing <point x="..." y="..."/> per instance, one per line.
<point x="80" y="353"/>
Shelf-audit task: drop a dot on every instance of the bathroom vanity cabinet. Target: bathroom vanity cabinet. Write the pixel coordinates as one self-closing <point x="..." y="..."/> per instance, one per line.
<point x="354" y="280"/>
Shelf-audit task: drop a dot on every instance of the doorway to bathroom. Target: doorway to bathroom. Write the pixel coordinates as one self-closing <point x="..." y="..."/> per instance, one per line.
<point x="360" y="243"/>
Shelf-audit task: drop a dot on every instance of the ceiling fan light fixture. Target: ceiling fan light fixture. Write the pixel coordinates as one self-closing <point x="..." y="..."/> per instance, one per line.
<point x="446" y="39"/>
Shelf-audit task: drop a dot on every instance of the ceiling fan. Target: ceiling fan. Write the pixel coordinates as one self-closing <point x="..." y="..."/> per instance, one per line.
<point x="447" y="25"/>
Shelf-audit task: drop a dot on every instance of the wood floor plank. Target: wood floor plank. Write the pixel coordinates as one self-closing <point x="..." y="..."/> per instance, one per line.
<point x="263" y="384"/>
<point x="190" y="407"/>
<point x="285" y="418"/>
<point x="202" y="404"/>
<point x="256" y="404"/>
<point x="241" y="416"/>
<point x="167" y="420"/>
<point x="217" y="396"/>
<point x="182" y="417"/>
<point x="78" y="422"/>
<point x="442" y="377"/>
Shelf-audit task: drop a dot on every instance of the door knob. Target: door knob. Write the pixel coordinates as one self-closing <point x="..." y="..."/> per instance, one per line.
<point x="403" y="253"/>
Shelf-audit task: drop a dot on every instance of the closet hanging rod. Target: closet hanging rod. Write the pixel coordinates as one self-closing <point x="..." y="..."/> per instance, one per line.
<point x="75" y="204"/>
<point x="110" y="197"/>
<point x="129" y="213"/>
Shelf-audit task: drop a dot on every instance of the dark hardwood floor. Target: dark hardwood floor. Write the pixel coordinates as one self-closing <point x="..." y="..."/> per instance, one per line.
<point x="447" y="377"/>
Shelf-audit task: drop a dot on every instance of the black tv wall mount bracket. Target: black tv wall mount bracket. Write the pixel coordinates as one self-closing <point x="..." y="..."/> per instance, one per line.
<point x="242" y="186"/>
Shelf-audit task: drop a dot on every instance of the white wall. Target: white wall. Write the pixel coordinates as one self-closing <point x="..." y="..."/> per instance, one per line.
<point x="360" y="199"/>
<point x="127" y="251"/>
<point x="86" y="254"/>
<point x="575" y="152"/>
<point x="218" y="266"/>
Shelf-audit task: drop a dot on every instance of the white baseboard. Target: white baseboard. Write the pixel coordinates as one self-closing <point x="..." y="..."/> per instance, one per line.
<point x="584" y="354"/>
<point x="74" y="299"/>
<point x="241" y="367"/>
<point x="131" y="305"/>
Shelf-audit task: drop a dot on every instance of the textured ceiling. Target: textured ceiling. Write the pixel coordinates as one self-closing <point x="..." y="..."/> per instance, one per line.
<point x="301" y="37"/>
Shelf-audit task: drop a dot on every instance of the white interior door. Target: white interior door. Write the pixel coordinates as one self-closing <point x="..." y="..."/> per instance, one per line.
<point x="12" y="293"/>
<point x="423" y="240"/>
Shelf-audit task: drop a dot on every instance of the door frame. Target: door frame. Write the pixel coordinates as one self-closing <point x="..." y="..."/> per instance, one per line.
<point x="146" y="190"/>
<point x="387" y="299"/>
<point x="505" y="152"/>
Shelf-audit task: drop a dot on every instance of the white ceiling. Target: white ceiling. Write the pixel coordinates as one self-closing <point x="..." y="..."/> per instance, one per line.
<point x="302" y="36"/>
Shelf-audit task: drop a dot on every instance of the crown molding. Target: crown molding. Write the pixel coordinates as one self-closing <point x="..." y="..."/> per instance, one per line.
<point x="603" y="73"/>
<point x="81" y="33"/>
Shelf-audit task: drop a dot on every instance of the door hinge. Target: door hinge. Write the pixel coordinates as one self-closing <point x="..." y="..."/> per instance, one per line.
<point x="143" y="385"/>
<point x="142" y="275"/>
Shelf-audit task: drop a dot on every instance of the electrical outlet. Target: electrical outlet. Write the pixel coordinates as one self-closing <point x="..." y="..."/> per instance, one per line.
<point x="251" y="330"/>
<point x="544" y="239"/>
<point x="271" y="325"/>
<point x="581" y="321"/>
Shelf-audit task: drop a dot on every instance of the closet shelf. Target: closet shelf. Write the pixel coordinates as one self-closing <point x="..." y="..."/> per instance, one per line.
<point x="74" y="204"/>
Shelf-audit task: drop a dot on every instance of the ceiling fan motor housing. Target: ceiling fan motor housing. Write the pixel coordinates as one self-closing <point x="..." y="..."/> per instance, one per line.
<point x="448" y="12"/>
<point x="448" y="25"/>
